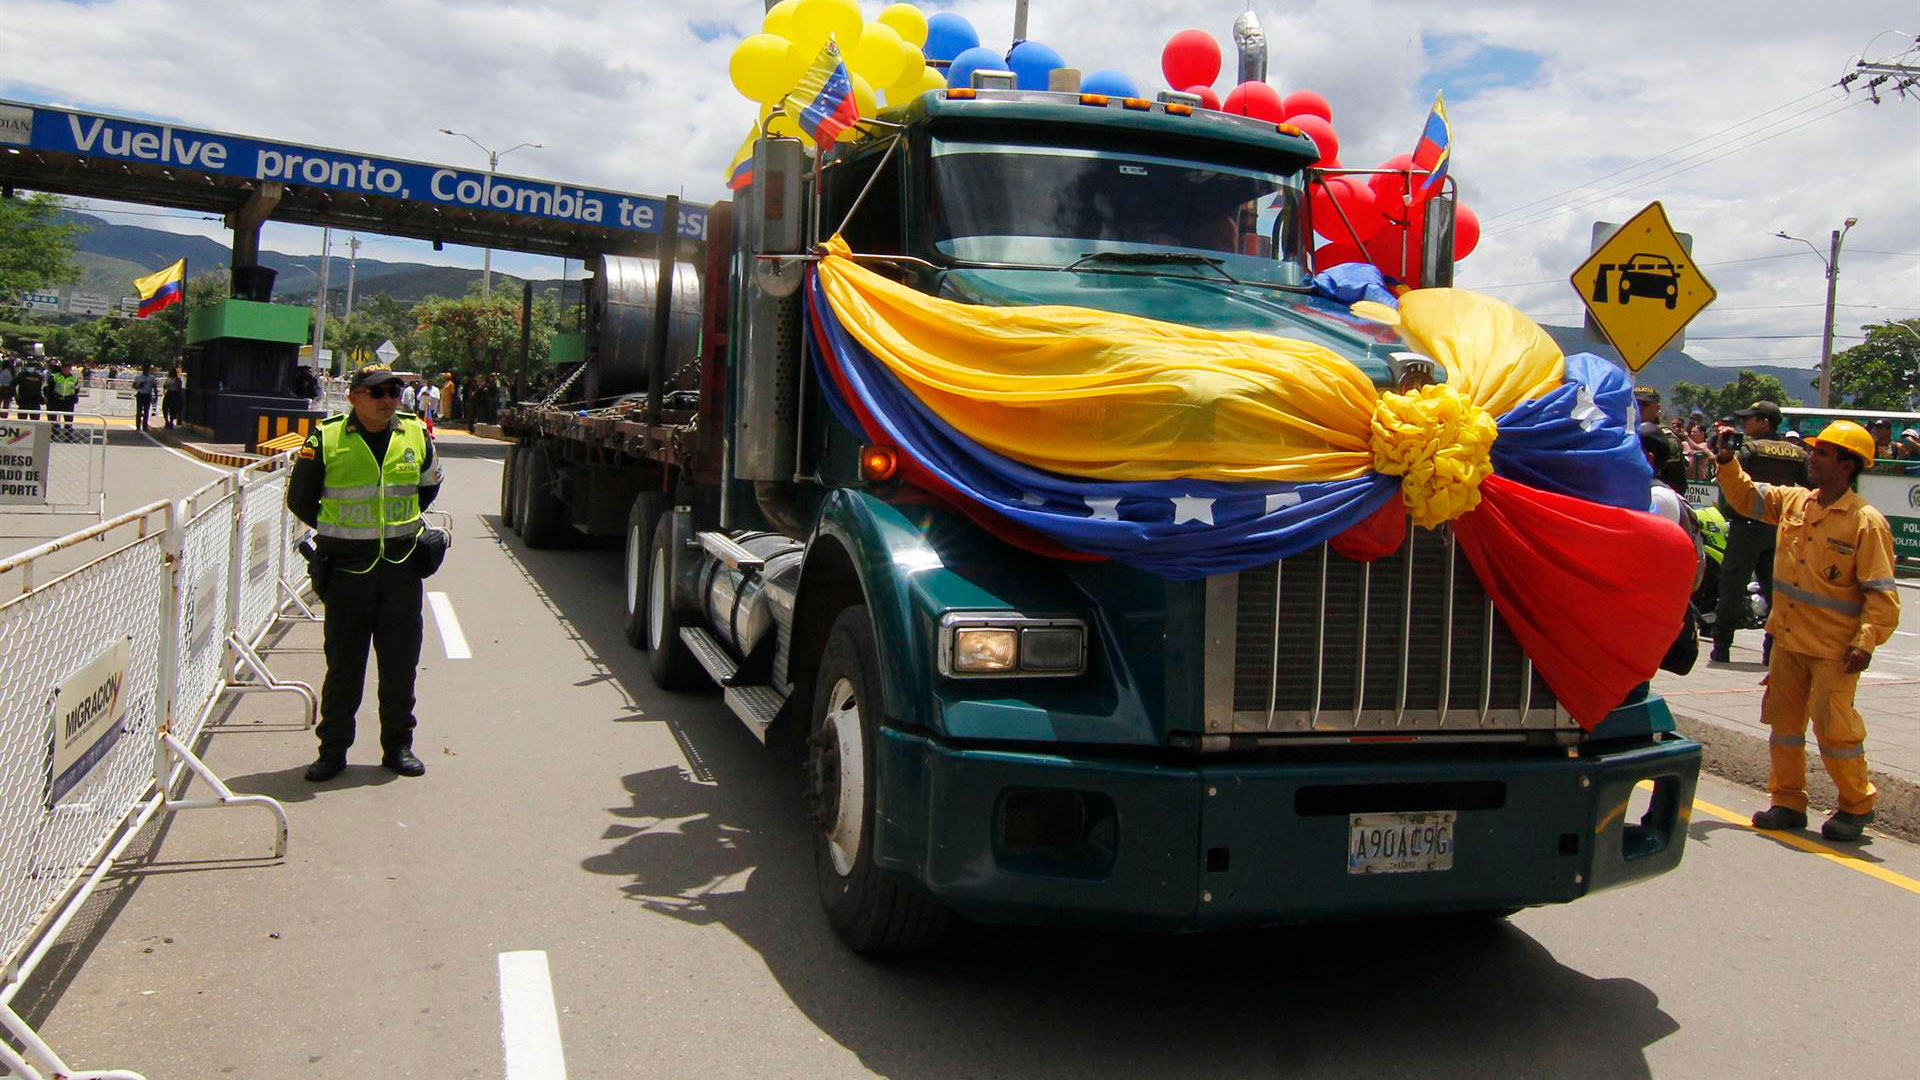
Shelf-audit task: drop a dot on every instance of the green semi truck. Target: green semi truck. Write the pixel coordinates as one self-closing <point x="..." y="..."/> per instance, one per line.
<point x="993" y="734"/>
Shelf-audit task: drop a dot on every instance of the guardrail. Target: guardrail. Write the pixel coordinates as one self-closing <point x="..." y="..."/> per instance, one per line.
<point x="108" y="674"/>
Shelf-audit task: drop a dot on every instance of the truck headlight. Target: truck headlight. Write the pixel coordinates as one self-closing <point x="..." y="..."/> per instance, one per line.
<point x="1011" y="645"/>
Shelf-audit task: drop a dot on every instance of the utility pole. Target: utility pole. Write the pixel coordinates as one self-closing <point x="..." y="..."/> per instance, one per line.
<point x="320" y="308"/>
<point x="1832" y="259"/>
<point x="353" y="267"/>
<point x="493" y="168"/>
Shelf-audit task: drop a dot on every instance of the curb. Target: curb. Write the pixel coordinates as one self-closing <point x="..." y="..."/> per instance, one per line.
<point x="211" y="457"/>
<point x="1741" y="757"/>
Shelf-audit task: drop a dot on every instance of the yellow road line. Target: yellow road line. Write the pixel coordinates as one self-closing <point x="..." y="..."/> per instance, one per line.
<point x="1851" y="862"/>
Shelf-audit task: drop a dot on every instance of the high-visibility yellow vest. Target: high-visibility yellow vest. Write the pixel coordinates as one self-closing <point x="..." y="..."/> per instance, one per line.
<point x="65" y="386"/>
<point x="368" y="506"/>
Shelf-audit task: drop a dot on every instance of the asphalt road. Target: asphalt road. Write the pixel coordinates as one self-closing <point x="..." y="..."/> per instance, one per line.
<point x="657" y="858"/>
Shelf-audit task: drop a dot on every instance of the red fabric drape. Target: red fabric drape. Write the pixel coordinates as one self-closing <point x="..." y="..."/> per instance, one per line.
<point x="1595" y="594"/>
<point x="1375" y="536"/>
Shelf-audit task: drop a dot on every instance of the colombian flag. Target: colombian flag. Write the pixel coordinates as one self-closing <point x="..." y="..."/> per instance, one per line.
<point x="162" y="290"/>
<point x="1435" y="151"/>
<point x="823" y="101"/>
<point x="740" y="172"/>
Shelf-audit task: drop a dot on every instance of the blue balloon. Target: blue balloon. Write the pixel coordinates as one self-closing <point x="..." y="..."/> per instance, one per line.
<point x="978" y="58"/>
<point x="1031" y="61"/>
<point x="1111" y="83"/>
<point x="948" y="35"/>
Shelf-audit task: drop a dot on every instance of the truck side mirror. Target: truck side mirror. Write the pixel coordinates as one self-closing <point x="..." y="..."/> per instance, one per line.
<point x="779" y="167"/>
<point x="1436" y="260"/>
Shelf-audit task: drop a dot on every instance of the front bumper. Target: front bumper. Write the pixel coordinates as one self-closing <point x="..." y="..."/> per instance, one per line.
<point x="1022" y="837"/>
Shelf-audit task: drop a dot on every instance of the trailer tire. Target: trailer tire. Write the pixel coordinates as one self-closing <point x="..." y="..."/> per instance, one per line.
<point x="542" y="514"/>
<point x="669" y="660"/>
<point x="507" y="492"/>
<point x="647" y="508"/>
<point x="872" y="913"/>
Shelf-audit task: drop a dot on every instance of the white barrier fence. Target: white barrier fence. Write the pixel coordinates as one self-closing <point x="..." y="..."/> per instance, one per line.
<point x="108" y="675"/>
<point x="75" y="470"/>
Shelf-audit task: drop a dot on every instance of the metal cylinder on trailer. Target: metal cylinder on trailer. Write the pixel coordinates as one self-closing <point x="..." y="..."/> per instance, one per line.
<point x="622" y="299"/>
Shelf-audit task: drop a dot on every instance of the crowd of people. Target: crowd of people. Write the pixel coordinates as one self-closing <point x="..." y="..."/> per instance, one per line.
<point x="39" y="386"/>
<point x="1696" y="438"/>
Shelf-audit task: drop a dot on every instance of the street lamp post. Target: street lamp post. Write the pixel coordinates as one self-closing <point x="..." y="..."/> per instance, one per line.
<point x="353" y="267"/>
<point x="493" y="166"/>
<point x="1833" y="284"/>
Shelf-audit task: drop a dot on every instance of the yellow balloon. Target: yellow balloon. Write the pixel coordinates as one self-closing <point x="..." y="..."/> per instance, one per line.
<point x="928" y="80"/>
<point x="882" y="57"/>
<point x="814" y="20"/>
<point x="758" y="67"/>
<point x="910" y="73"/>
<point x="863" y="97"/>
<point x="779" y="19"/>
<point x="907" y="21"/>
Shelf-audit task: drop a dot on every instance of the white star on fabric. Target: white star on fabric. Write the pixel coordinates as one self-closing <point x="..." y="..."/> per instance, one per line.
<point x="1192" y="508"/>
<point x="1586" y="412"/>
<point x="1281" y="501"/>
<point x="1104" y="509"/>
<point x="1032" y="500"/>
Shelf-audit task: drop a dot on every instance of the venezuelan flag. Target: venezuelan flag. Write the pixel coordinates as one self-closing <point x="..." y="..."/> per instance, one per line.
<point x="824" y="98"/>
<point x="162" y="290"/>
<point x="1435" y="151"/>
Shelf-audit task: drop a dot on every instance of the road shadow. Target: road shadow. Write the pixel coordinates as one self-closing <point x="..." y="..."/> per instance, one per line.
<point x="727" y="845"/>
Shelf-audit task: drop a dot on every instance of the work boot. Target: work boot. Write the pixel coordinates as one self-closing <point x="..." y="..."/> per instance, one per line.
<point x="1782" y="817"/>
<point x="1845" y="826"/>
<point x="1720" y="655"/>
<point x="326" y="767"/>
<point x="403" y="762"/>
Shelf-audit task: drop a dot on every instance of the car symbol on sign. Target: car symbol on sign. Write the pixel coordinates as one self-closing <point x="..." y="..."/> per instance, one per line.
<point x="1652" y="277"/>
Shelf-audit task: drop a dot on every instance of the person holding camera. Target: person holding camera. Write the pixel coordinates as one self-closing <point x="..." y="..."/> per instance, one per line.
<point x="1768" y="459"/>
<point x="361" y="481"/>
<point x="1835" y="601"/>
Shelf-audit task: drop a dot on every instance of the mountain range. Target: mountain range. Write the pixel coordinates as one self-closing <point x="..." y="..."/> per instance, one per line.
<point x="113" y="255"/>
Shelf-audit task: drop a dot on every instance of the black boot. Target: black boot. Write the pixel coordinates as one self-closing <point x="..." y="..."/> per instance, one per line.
<point x="326" y="767"/>
<point x="1780" y="817"/>
<point x="403" y="762"/>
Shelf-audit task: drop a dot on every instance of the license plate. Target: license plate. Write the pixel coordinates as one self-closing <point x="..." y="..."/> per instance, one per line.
<point x="1400" y="843"/>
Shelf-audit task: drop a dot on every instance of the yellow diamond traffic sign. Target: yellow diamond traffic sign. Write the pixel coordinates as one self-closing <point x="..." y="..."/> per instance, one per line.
<point x="1642" y="287"/>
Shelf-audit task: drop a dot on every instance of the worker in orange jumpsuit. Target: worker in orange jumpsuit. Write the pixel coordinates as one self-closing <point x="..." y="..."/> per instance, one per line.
<point x="1834" y="602"/>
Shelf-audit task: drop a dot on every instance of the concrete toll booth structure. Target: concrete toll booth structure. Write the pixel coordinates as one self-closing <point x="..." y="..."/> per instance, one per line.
<point x="241" y="356"/>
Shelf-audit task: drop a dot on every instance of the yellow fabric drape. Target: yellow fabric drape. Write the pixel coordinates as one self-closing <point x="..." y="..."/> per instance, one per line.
<point x="1118" y="397"/>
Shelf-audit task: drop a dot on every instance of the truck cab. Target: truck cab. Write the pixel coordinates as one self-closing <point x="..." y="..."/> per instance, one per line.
<point x="1016" y="736"/>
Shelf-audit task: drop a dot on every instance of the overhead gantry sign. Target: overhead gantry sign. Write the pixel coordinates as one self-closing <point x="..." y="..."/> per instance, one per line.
<point x="140" y="161"/>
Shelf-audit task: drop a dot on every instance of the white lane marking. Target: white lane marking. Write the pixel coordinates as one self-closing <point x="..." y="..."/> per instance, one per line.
<point x="188" y="458"/>
<point x="529" y="1024"/>
<point x="449" y="623"/>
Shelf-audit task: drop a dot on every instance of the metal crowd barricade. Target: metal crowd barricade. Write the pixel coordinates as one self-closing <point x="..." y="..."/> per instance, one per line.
<point x="260" y="577"/>
<point x="97" y="667"/>
<point x="76" y="465"/>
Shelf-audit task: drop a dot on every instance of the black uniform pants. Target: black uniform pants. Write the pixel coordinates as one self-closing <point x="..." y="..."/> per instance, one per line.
<point x="1749" y="552"/>
<point x="380" y="608"/>
<point x="142" y="408"/>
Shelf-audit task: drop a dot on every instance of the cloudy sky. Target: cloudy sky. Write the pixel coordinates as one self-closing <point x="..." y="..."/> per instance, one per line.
<point x="1563" y="113"/>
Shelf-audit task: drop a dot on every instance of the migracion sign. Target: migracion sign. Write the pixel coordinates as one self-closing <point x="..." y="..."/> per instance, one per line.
<point x="87" y="710"/>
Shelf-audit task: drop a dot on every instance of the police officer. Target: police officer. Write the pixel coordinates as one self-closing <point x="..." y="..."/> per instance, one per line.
<point x="63" y="387"/>
<point x="1835" y="601"/>
<point x="1768" y="459"/>
<point x="361" y="480"/>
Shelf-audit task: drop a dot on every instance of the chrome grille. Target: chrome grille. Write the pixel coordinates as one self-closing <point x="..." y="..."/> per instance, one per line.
<point x="1320" y="642"/>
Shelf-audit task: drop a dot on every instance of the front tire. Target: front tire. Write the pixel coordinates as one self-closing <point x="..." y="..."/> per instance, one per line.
<point x="668" y="658"/>
<point x="870" y="911"/>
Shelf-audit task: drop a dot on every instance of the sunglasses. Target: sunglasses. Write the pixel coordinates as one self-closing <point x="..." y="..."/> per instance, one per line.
<point x="380" y="390"/>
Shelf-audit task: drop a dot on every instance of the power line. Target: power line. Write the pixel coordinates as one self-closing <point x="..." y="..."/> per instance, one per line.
<point x="1722" y="262"/>
<point x="1654" y="158"/>
<point x="1870" y="251"/>
<point x="1669" y="172"/>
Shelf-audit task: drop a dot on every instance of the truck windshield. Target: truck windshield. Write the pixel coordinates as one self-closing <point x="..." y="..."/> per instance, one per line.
<point x="1054" y="206"/>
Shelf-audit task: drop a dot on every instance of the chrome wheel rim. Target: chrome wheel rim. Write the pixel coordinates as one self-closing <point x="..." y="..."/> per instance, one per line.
<point x="657" y="598"/>
<point x="846" y="741"/>
<point x="633" y="569"/>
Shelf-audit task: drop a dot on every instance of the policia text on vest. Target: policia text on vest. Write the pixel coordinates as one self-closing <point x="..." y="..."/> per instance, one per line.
<point x="363" y="492"/>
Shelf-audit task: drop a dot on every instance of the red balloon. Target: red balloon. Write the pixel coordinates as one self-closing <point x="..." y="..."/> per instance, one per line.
<point x="1208" y="98"/>
<point x="1320" y="130"/>
<point x="1396" y="251"/>
<point x="1329" y="255"/>
<point x="1390" y="189"/>
<point x="1255" y="99"/>
<point x="1355" y="207"/>
<point x="1191" y="58"/>
<point x="1466" y="231"/>
<point x="1306" y="102"/>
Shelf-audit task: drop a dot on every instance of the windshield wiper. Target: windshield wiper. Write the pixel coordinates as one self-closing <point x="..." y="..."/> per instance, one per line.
<point x="1155" y="258"/>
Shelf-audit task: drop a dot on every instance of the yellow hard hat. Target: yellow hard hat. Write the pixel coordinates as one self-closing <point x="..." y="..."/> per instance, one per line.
<point x="1849" y="436"/>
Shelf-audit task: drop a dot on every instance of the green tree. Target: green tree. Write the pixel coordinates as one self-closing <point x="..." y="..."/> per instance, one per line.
<point x="476" y="335"/>
<point x="392" y="320"/>
<point x="1882" y="372"/>
<point x="1743" y="391"/>
<point x="36" y="245"/>
<point x="208" y="289"/>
